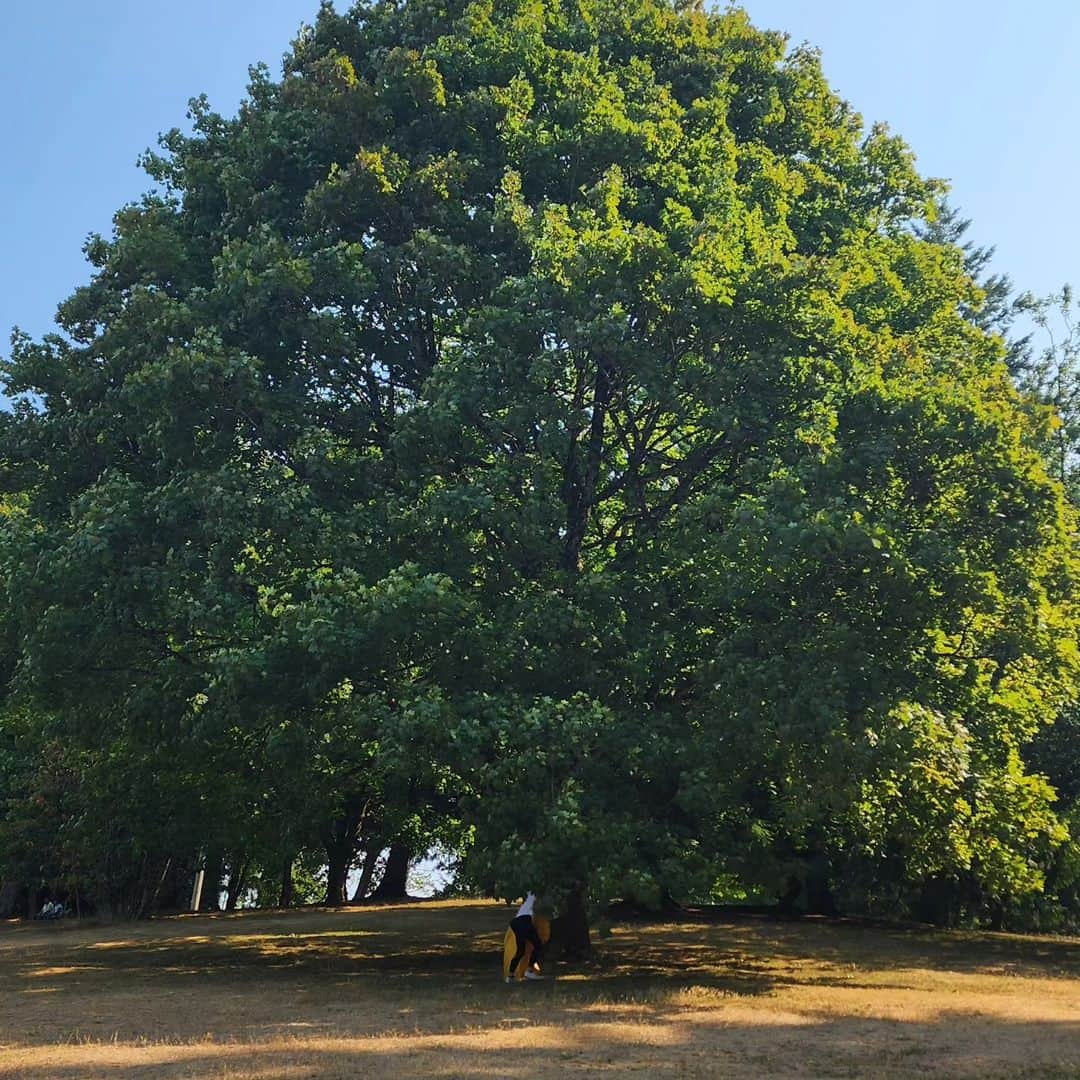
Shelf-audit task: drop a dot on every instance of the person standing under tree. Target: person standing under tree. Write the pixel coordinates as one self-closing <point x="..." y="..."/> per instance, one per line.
<point x="524" y="932"/>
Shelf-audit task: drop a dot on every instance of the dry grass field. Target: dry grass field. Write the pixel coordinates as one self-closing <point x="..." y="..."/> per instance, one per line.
<point x="414" y="991"/>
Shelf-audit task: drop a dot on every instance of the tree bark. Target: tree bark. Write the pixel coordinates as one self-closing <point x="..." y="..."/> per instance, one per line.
<point x="339" y="858"/>
<point x="366" y="874"/>
<point x="579" y="485"/>
<point x="211" y="892"/>
<point x="152" y="901"/>
<point x="340" y="838"/>
<point x="571" y="928"/>
<point x="787" y="901"/>
<point x="237" y="877"/>
<point x="9" y="898"/>
<point x="936" y="901"/>
<point x="175" y="888"/>
<point x="286" y="893"/>
<point x="396" y="875"/>
<point x="819" y="895"/>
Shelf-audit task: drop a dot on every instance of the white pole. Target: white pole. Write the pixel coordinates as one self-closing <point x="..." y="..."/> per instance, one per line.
<point x="196" y="890"/>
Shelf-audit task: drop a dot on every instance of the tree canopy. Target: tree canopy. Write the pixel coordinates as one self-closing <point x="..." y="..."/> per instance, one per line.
<point x="555" y="429"/>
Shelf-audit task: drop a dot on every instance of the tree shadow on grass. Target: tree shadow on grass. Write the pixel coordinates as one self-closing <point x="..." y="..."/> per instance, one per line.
<point x="954" y="1045"/>
<point x="878" y="945"/>
<point x="457" y="968"/>
<point x="357" y="974"/>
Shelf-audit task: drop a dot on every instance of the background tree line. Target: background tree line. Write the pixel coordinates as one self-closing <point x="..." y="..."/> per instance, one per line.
<point x="560" y="432"/>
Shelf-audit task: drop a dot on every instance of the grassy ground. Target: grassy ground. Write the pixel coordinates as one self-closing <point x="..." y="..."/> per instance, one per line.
<point x="415" y="991"/>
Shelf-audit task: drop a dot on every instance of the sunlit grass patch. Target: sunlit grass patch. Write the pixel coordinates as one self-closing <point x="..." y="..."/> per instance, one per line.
<point x="416" y="990"/>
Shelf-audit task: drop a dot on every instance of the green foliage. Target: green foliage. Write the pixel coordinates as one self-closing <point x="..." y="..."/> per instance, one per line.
<point x="1050" y="374"/>
<point x="554" y="430"/>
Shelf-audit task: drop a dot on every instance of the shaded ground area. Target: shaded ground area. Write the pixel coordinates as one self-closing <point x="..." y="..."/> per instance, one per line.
<point x="414" y="991"/>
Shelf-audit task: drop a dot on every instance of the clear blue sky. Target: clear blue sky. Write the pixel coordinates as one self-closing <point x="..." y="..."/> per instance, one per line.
<point x="986" y="91"/>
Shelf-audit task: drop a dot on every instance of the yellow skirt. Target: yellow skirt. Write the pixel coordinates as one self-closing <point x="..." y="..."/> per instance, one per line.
<point x="543" y="931"/>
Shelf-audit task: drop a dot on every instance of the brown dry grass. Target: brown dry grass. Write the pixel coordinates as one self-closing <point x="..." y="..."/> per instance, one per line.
<point x="414" y="991"/>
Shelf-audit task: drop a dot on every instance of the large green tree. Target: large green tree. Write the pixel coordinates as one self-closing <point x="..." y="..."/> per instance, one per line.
<point x="555" y="427"/>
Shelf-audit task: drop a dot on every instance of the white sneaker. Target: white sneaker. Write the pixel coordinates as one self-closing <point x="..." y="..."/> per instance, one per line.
<point x="509" y="980"/>
<point x="533" y="975"/>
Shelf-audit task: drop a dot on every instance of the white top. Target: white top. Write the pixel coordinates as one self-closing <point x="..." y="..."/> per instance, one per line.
<point x="527" y="907"/>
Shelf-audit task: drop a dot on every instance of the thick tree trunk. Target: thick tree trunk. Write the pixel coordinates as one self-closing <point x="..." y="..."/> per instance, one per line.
<point x="152" y="898"/>
<point x="137" y="909"/>
<point x="237" y="879"/>
<point x="339" y="859"/>
<point x="340" y="838"/>
<point x="580" y="476"/>
<point x="997" y="915"/>
<point x="819" y="895"/>
<point x="571" y="928"/>
<point x="396" y="875"/>
<point x="936" y="902"/>
<point x="788" y="900"/>
<point x="287" y="893"/>
<point x="366" y="874"/>
<point x="175" y="888"/>
<point x="9" y="898"/>
<point x="211" y="890"/>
